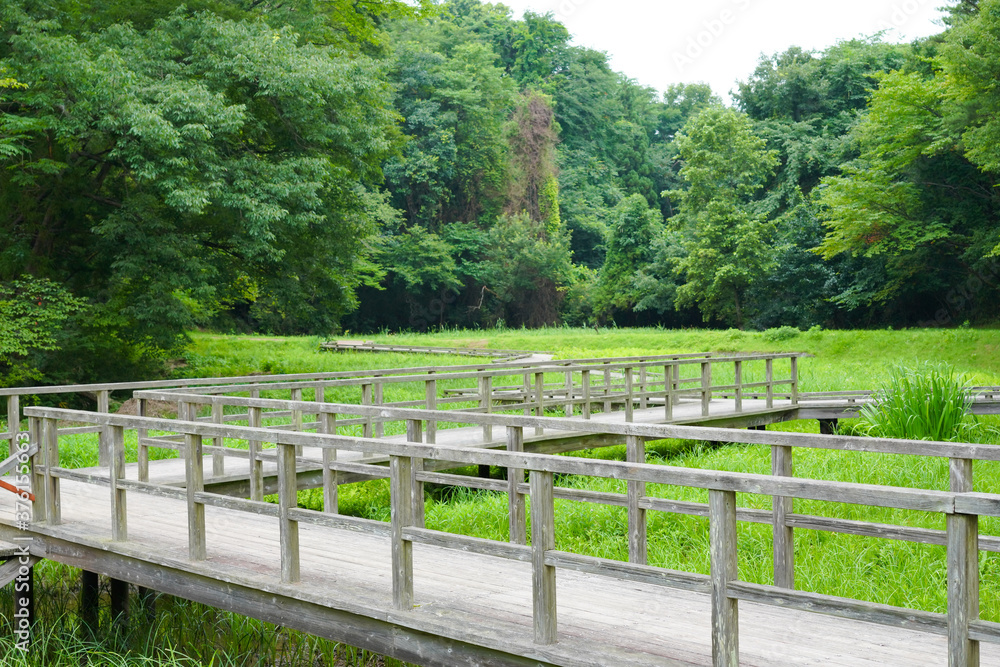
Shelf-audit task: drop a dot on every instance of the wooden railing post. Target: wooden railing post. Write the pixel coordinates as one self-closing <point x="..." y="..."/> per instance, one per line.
<point x="784" y="536"/>
<point x="401" y="516"/>
<point x="379" y="399"/>
<point x="738" y="382"/>
<point x="539" y="399"/>
<point x="722" y="544"/>
<point x="963" y="573"/>
<point x="543" y="538"/>
<point x="635" y="452"/>
<point x="116" y="472"/>
<point x="288" y="529"/>
<point x="643" y="401"/>
<point x="668" y="392"/>
<point x="318" y="397"/>
<point x="186" y="412"/>
<point x="195" y="480"/>
<point x="331" y="478"/>
<point x="103" y="444"/>
<point x="585" y="381"/>
<point x="13" y="422"/>
<point x="607" y="387"/>
<point x="38" y="472"/>
<point x="255" y="420"/>
<point x="413" y="434"/>
<point x="296" y="395"/>
<point x="628" y="394"/>
<point x="569" y="393"/>
<point x="517" y="512"/>
<point x="769" y="379"/>
<point x="142" y="450"/>
<point x="795" y="380"/>
<point x="218" y="458"/>
<point x="430" y="394"/>
<point x="706" y="387"/>
<point x="486" y="403"/>
<point x="526" y="389"/>
<point x="50" y="443"/>
<point x="366" y="399"/>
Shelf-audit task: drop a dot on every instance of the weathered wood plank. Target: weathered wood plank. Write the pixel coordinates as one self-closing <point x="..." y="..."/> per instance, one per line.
<point x="723" y="555"/>
<point x="543" y="576"/>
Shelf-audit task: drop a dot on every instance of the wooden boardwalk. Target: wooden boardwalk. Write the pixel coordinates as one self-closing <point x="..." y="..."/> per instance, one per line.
<point x="197" y="526"/>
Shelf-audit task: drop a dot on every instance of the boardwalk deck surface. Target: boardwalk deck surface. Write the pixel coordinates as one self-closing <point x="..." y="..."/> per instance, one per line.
<point x="474" y="598"/>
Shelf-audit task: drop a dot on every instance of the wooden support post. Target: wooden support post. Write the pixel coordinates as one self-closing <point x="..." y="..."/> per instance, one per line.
<point x="963" y="573"/>
<point x="50" y="442"/>
<point x="635" y="452"/>
<point x="103" y="405"/>
<point x="119" y="602"/>
<point x="828" y="426"/>
<point x="628" y="394"/>
<point x="543" y="538"/>
<point x="366" y="399"/>
<point x="218" y="459"/>
<point x="331" y="478"/>
<point x="401" y="516"/>
<point x="116" y="472"/>
<point x="643" y="400"/>
<point x="141" y="448"/>
<point x="526" y="390"/>
<point x="585" y="381"/>
<point x="769" y="378"/>
<point x="486" y="404"/>
<point x="668" y="393"/>
<point x="38" y="471"/>
<point x="296" y="395"/>
<point x="516" y="506"/>
<point x="379" y="399"/>
<point x="194" y="474"/>
<point x="288" y="529"/>
<point x="255" y="420"/>
<point x="795" y="380"/>
<point x="90" y="611"/>
<point x="13" y="422"/>
<point x="318" y="397"/>
<point x="430" y="394"/>
<point x="738" y="382"/>
<point x="784" y="536"/>
<point x="607" y="388"/>
<point x="568" y="384"/>
<point x="413" y="434"/>
<point x="722" y="545"/>
<point x="539" y="399"/>
<point x="186" y="412"/>
<point x="706" y="387"/>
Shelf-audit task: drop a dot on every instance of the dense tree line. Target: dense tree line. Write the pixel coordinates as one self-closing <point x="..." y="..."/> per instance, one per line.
<point x="306" y="166"/>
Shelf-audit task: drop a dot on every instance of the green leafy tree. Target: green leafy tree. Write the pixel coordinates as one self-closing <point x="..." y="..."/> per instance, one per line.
<point x="634" y="229"/>
<point x="729" y="245"/>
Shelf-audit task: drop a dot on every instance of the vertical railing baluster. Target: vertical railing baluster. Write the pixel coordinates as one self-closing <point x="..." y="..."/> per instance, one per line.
<point x="539" y="399"/>
<point x="255" y="420"/>
<point x="103" y="444"/>
<point x="635" y="452"/>
<point x="430" y="395"/>
<point x="195" y="481"/>
<point x="13" y="422"/>
<point x="413" y="434"/>
<point x="218" y="457"/>
<point x="643" y="400"/>
<point x="963" y="572"/>
<point x="738" y="384"/>
<point x="543" y="538"/>
<point x="486" y="404"/>
<point x="366" y="399"/>
<point x="378" y="399"/>
<point x="50" y="442"/>
<point x="331" y="478"/>
<point x="38" y="472"/>
<point x="628" y="394"/>
<point x="142" y="449"/>
<point x="706" y="387"/>
<point x="794" y="361"/>
<point x="401" y="516"/>
<point x="783" y="534"/>
<point x="769" y="379"/>
<point x="516" y="505"/>
<point x="723" y="556"/>
<point x="568" y="384"/>
<point x="585" y="381"/>
<point x="607" y="387"/>
<point x="288" y="528"/>
<point x="116" y="472"/>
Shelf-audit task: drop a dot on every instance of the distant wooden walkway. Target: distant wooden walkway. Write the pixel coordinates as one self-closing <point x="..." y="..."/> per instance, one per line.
<point x="197" y="526"/>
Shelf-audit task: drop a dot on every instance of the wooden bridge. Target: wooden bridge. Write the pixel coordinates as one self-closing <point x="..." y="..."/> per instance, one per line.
<point x="197" y="526"/>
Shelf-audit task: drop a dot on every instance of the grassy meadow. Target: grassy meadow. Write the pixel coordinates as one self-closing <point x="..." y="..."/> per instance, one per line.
<point x="897" y="573"/>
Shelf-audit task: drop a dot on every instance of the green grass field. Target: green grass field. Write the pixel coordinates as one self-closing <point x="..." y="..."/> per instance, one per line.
<point x="896" y="573"/>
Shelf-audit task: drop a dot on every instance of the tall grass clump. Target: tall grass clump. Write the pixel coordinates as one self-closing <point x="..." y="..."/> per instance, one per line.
<point x="929" y="402"/>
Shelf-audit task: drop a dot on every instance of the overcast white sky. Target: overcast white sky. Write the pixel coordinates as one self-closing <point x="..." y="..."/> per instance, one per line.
<point x="719" y="41"/>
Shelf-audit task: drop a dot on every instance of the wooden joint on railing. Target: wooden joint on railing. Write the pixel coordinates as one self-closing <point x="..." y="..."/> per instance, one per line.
<point x="543" y="539"/>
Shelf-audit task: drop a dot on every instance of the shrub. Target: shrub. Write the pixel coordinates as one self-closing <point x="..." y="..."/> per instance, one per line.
<point x="926" y="403"/>
<point x="780" y="334"/>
